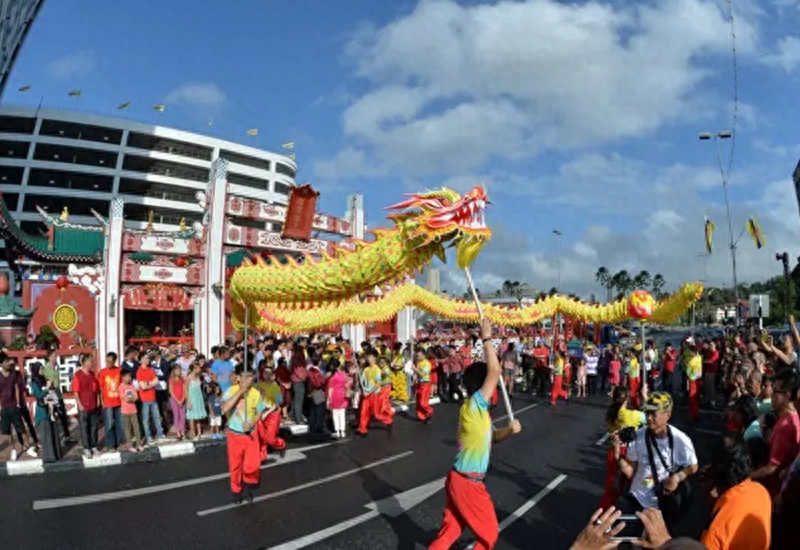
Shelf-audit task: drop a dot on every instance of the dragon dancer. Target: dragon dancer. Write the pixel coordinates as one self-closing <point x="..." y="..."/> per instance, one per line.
<point x="269" y="427"/>
<point x="468" y="501"/>
<point x="371" y="398"/>
<point x="422" y="368"/>
<point x="245" y="408"/>
<point x="386" y="388"/>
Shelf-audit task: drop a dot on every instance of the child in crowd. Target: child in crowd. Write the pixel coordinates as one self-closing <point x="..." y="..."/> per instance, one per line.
<point x="614" y="374"/>
<point x="215" y="411"/>
<point x="581" y="376"/>
<point x="177" y="401"/>
<point x="130" y="419"/>
<point x="195" y="404"/>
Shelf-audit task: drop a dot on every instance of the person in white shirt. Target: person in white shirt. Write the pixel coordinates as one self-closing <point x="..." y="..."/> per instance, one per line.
<point x="664" y="449"/>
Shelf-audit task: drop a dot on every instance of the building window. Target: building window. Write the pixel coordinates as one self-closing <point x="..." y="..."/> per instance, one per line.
<point x="74" y="130"/>
<point x="11" y="174"/>
<point x="17" y="125"/>
<point x="171" y="146"/>
<point x="63" y="179"/>
<point x="14" y="149"/>
<point x="245" y="160"/>
<point x="285" y="169"/>
<point x="141" y="213"/>
<point x="54" y="204"/>
<point x="141" y="188"/>
<point x="75" y="155"/>
<point x="282" y="188"/>
<point x="145" y="165"/>
<point x="247" y="181"/>
<point x="11" y="200"/>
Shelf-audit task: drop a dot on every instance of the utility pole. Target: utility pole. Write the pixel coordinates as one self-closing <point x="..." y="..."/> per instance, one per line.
<point x="558" y="234"/>
<point x="784" y="258"/>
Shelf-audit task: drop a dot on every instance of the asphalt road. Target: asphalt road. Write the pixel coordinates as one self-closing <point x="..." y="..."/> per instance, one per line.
<point x="184" y="503"/>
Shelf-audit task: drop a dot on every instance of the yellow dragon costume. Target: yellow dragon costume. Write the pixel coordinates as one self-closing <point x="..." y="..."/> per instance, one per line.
<point x="334" y="290"/>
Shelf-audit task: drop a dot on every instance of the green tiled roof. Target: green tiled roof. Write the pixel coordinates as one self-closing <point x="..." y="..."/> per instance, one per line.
<point x="74" y="244"/>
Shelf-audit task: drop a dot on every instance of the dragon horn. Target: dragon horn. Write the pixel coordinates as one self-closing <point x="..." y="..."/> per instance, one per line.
<point x="405" y="204"/>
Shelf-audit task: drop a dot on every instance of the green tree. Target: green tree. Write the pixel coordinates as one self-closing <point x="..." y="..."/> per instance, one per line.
<point x="642" y="280"/>
<point x="657" y="285"/>
<point x="622" y="283"/>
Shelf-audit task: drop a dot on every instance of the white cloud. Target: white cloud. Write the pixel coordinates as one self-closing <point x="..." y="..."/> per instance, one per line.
<point x="203" y="94"/>
<point x="73" y="65"/>
<point x="786" y="55"/>
<point x="453" y="86"/>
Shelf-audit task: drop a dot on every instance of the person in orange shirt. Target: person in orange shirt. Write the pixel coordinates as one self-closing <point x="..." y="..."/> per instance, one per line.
<point x="741" y="507"/>
<point x="371" y="398"/>
<point x="558" y="377"/>
<point x="111" y="402"/>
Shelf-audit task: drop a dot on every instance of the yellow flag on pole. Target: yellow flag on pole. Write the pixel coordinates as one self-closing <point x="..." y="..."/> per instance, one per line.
<point x="252" y="132"/>
<point x="710" y="227"/>
<point x="754" y="230"/>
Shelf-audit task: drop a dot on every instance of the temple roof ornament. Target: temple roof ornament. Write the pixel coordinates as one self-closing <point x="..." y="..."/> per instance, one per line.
<point x="65" y="214"/>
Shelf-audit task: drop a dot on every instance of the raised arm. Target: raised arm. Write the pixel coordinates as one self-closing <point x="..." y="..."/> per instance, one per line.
<point x="493" y="369"/>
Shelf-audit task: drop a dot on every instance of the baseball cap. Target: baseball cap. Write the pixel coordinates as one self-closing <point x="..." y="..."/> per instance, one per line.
<point x="658" y="401"/>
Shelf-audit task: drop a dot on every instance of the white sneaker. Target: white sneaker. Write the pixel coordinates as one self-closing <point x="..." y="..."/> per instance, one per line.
<point x="31" y="452"/>
<point x="13" y="455"/>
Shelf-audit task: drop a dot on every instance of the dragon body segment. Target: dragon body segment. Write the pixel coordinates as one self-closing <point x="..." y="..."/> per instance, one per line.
<point x="424" y="224"/>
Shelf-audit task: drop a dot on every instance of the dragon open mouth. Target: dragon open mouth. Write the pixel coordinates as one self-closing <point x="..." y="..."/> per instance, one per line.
<point x="470" y="216"/>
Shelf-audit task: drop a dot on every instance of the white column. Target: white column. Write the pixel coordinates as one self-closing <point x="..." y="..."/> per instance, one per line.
<point x="120" y="319"/>
<point x="112" y="316"/>
<point x="214" y="310"/>
<point x="99" y="314"/>
<point x="355" y="208"/>
<point x="199" y="325"/>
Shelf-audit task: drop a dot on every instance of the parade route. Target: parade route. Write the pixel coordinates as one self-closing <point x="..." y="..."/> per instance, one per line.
<point x="384" y="491"/>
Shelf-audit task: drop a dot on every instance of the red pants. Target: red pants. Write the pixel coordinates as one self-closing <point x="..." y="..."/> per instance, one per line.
<point x="386" y="411"/>
<point x="268" y="434"/>
<point x="557" y="391"/>
<point x="424" y="410"/>
<point x="244" y="462"/>
<point x="612" y="492"/>
<point x="468" y="505"/>
<point x="634" y="385"/>
<point x="371" y="407"/>
<point x="694" y="399"/>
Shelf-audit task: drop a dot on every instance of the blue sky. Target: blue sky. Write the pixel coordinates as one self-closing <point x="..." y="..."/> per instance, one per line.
<point x="582" y="117"/>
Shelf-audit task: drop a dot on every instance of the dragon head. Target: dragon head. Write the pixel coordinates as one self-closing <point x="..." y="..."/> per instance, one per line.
<point x="443" y="216"/>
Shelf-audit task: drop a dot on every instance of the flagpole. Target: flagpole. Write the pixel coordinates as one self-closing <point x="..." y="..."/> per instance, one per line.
<point x="501" y="383"/>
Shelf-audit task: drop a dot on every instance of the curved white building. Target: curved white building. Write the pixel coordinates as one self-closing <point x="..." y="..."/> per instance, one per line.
<point x="55" y="159"/>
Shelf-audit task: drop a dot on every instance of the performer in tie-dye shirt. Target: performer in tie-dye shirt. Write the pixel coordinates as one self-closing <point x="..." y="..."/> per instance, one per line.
<point x="468" y="502"/>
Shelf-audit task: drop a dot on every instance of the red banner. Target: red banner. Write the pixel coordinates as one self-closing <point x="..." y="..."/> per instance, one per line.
<point x="300" y="213"/>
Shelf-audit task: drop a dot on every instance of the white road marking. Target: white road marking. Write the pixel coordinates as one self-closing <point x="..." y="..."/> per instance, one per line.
<point x="602" y="440"/>
<point x="523" y="409"/>
<point x="308" y="485"/>
<point x="176" y="449"/>
<point x="106" y="459"/>
<point x="25" y="467"/>
<point x="393" y="506"/>
<point x="292" y="455"/>
<point x="522" y="510"/>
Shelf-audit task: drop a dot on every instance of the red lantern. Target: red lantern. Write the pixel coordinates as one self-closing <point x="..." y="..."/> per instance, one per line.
<point x="62" y="282"/>
<point x="180" y="261"/>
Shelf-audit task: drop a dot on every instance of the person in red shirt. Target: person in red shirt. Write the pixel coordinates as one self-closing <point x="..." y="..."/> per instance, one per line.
<point x="784" y="443"/>
<point x="669" y="359"/>
<point x="86" y="388"/>
<point x="710" y="368"/>
<point x="109" y="380"/>
<point x="148" y="382"/>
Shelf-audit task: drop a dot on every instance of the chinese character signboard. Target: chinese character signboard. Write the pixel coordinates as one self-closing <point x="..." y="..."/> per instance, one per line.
<point x="300" y="214"/>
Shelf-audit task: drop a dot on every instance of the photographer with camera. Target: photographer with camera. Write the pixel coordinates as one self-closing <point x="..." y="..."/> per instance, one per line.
<point x="658" y="463"/>
<point x="622" y="423"/>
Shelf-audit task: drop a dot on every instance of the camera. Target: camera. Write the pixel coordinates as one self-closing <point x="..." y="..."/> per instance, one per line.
<point x="627" y="435"/>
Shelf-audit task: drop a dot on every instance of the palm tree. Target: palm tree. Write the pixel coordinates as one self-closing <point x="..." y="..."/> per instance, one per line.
<point x="657" y="285"/>
<point x="515" y="289"/>
<point x="603" y="276"/>
<point x="642" y="280"/>
<point x="553" y="291"/>
<point x="468" y="294"/>
<point x="622" y="283"/>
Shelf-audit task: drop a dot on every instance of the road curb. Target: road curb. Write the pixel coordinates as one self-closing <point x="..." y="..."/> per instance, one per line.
<point x="27" y="467"/>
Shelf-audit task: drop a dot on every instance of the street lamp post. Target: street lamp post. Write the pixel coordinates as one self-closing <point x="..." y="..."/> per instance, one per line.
<point x="716" y="137"/>
<point x="557" y="233"/>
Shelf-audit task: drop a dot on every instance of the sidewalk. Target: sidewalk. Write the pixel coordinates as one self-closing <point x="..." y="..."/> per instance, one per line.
<point x="172" y="448"/>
